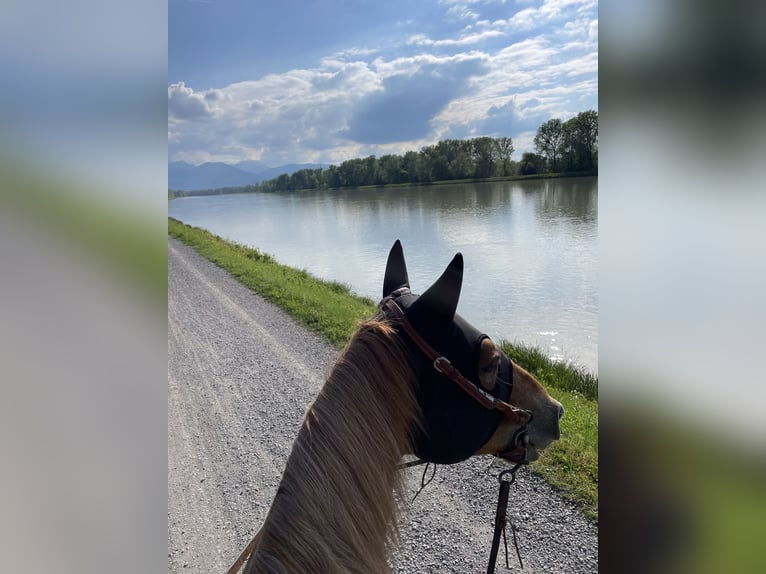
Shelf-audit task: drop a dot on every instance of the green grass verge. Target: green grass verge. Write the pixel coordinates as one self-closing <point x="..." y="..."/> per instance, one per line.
<point x="328" y="308"/>
<point x="561" y="375"/>
<point x="331" y="310"/>
<point x="569" y="464"/>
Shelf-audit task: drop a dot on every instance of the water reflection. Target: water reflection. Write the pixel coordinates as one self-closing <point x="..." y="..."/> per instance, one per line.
<point x="530" y="247"/>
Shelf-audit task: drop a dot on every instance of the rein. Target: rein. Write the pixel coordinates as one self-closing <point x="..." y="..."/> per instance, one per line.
<point x="517" y="416"/>
<point x="245" y="554"/>
<point x="501" y="519"/>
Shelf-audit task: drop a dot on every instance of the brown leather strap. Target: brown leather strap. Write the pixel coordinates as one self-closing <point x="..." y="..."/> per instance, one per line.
<point x="249" y="549"/>
<point x="442" y="364"/>
<point x="501" y="519"/>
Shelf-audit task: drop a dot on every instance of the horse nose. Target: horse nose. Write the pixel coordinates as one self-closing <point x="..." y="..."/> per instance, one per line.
<point x="561" y="412"/>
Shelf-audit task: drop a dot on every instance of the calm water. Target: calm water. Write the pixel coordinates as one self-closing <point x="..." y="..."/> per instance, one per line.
<point x="530" y="248"/>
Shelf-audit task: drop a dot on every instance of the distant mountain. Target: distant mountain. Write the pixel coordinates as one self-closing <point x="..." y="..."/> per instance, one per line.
<point x="252" y="166"/>
<point x="212" y="175"/>
<point x="189" y="177"/>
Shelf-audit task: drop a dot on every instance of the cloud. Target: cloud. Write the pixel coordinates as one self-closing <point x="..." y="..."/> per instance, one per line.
<point x="355" y="101"/>
<point x="506" y="119"/>
<point x="185" y="104"/>
<point x="422" y="40"/>
<point x="461" y="9"/>
<point x="529" y="82"/>
<point x="403" y="110"/>
<point x="340" y="105"/>
<point x="548" y="13"/>
<point x="274" y="118"/>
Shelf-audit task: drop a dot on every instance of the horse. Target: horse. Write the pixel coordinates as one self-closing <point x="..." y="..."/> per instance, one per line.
<point x="417" y="379"/>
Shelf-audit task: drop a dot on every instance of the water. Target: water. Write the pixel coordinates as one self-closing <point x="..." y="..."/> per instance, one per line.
<point x="530" y="248"/>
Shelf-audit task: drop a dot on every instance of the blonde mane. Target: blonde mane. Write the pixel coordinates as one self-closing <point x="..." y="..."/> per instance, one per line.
<point x="335" y="508"/>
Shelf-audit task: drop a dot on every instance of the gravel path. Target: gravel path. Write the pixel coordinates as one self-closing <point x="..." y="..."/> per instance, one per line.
<point x="240" y="376"/>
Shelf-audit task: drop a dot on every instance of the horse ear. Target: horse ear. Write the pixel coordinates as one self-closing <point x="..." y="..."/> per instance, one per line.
<point x="396" y="270"/>
<point x="437" y="306"/>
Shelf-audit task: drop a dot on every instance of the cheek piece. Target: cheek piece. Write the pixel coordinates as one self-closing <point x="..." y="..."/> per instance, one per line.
<point x="455" y="426"/>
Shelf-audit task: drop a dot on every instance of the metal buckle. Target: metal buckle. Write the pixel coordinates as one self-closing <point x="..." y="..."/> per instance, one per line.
<point x="440" y="361"/>
<point x="522" y="437"/>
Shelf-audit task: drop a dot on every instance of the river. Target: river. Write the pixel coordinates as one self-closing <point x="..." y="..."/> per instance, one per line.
<point x="530" y="248"/>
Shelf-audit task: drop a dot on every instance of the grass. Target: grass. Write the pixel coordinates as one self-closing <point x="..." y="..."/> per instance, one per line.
<point x="570" y="464"/>
<point x="332" y="311"/>
<point x="328" y="308"/>
<point x="561" y="375"/>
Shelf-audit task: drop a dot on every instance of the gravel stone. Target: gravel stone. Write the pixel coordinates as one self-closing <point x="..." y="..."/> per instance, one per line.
<point x="241" y="374"/>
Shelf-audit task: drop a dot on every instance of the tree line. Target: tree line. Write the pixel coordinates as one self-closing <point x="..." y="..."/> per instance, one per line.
<point x="570" y="146"/>
<point x="561" y="147"/>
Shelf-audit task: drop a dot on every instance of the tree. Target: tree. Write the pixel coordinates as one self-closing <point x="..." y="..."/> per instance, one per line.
<point x="484" y="156"/>
<point x="332" y="177"/>
<point x="462" y="166"/>
<point x="390" y="167"/>
<point x="410" y="166"/>
<point x="372" y="171"/>
<point x="302" y="179"/>
<point x="504" y="148"/>
<point x="550" y="140"/>
<point x="582" y="134"/>
<point x="531" y="163"/>
<point x="282" y="182"/>
<point x="561" y="146"/>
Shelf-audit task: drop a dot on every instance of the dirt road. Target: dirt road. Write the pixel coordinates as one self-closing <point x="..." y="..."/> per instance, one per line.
<point x="240" y="376"/>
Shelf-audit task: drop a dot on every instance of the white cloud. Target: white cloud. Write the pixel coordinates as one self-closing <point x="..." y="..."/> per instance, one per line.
<point x="422" y="40"/>
<point x="279" y="118"/>
<point x="184" y="103"/>
<point x="530" y="81"/>
<point x="359" y="101"/>
<point x="551" y="11"/>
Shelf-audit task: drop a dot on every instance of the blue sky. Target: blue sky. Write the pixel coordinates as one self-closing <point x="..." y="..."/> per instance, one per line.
<point x="296" y="81"/>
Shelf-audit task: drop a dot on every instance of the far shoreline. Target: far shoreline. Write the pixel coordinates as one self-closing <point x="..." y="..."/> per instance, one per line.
<point x="172" y="193"/>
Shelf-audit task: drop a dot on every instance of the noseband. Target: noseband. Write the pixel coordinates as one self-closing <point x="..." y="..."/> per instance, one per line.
<point x="441" y="364"/>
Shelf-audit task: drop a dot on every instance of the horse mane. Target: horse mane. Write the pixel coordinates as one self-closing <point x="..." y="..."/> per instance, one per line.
<point x="335" y="508"/>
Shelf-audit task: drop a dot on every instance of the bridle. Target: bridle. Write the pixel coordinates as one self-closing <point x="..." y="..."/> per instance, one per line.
<point x="518" y="452"/>
<point x="514" y="415"/>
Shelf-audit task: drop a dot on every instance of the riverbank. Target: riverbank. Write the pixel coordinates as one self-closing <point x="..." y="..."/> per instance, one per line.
<point x="173" y="193"/>
<point x="331" y="310"/>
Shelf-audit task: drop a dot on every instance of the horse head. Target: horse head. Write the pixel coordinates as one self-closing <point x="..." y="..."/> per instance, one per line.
<point x="415" y="378"/>
<point x="456" y="421"/>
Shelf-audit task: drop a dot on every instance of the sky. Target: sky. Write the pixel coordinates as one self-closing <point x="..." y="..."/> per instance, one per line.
<point x="323" y="81"/>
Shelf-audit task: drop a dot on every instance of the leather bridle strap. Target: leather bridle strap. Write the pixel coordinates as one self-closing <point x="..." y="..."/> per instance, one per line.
<point x="501" y="520"/>
<point x="443" y="365"/>
<point x="249" y="549"/>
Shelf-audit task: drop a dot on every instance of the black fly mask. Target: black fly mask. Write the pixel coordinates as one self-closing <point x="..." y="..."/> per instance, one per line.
<point x="455" y="425"/>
